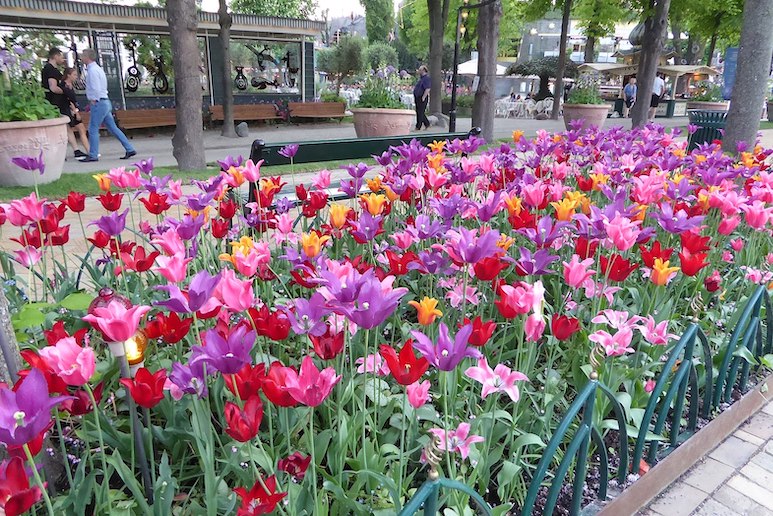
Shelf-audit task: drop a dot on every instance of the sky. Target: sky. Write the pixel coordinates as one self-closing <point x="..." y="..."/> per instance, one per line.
<point x="337" y="7"/>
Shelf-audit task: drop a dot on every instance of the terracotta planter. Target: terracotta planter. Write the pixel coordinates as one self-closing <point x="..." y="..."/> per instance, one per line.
<point x="707" y="106"/>
<point x="593" y="115"/>
<point x="374" y="122"/>
<point x="19" y="139"/>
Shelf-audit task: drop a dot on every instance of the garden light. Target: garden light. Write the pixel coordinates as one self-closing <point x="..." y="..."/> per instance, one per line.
<point x="135" y="351"/>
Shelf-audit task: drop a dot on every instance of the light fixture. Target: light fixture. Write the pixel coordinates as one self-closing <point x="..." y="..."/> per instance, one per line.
<point x="551" y="25"/>
<point x="533" y="31"/>
<point x="135" y="351"/>
<point x="465" y="14"/>
<point x="462" y="30"/>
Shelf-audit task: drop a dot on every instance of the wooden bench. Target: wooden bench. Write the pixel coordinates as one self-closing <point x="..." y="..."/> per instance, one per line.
<point x="145" y="118"/>
<point x="246" y="112"/>
<point x="317" y="110"/>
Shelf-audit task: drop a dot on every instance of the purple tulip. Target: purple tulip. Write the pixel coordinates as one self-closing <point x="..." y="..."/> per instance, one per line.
<point x="225" y="355"/>
<point x="351" y="187"/>
<point x="374" y="303"/>
<point x="678" y="222"/>
<point x="112" y="224"/>
<point x="24" y="414"/>
<point x="470" y="247"/>
<point x="30" y="163"/>
<point x="283" y="205"/>
<point x="145" y="166"/>
<point x="189" y="227"/>
<point x="189" y="378"/>
<point x="230" y="161"/>
<point x="289" y="151"/>
<point x="367" y="227"/>
<point x="199" y="292"/>
<point x="447" y="353"/>
<point x="535" y="264"/>
<point x="307" y="316"/>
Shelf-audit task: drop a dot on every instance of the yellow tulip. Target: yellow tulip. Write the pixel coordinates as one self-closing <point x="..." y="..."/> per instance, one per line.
<point x="374" y="202"/>
<point x="564" y="209"/>
<point x="436" y="161"/>
<point x="517" y="135"/>
<point x="661" y="272"/>
<point x="426" y="310"/>
<point x="312" y="243"/>
<point x="437" y="146"/>
<point x="338" y="214"/>
<point x="514" y="205"/>
<point x="103" y="180"/>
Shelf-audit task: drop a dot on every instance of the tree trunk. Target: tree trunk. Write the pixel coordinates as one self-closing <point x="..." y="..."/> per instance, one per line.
<point x="488" y="38"/>
<point x="438" y="17"/>
<point x="712" y="48"/>
<point x="544" y="88"/>
<point x="754" y="57"/>
<point x="652" y="43"/>
<point x="676" y="34"/>
<point x="558" y="88"/>
<point x="225" y="19"/>
<point x="188" y="140"/>
<point x="590" y="49"/>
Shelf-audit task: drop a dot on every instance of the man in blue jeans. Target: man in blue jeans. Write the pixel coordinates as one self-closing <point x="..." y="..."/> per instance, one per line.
<point x="101" y="108"/>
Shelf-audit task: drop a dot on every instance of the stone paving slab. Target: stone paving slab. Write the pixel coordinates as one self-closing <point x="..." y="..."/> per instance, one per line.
<point x="736" y="478"/>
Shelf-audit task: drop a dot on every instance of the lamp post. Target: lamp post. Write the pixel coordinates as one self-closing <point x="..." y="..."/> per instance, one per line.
<point x="461" y="15"/>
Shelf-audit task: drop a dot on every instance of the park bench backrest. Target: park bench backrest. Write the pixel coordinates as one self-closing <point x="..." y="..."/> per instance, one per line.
<point x="317" y="109"/>
<point x="247" y="112"/>
<point x="145" y="118"/>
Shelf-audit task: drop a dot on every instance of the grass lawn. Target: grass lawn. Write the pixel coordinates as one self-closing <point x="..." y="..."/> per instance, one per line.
<point x="86" y="184"/>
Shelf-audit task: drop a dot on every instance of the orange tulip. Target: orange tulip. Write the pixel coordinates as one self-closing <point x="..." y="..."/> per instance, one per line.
<point x="435" y="161"/>
<point x="426" y="310"/>
<point x="374" y="202"/>
<point x="437" y="146"/>
<point x="514" y="205"/>
<point x="312" y="243"/>
<point x="103" y="180"/>
<point x="517" y="135"/>
<point x="374" y="184"/>
<point x="661" y="272"/>
<point x="565" y="209"/>
<point x="338" y="214"/>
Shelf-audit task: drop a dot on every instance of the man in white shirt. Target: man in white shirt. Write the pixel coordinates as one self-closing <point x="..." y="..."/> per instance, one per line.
<point x="658" y="90"/>
<point x="101" y="108"/>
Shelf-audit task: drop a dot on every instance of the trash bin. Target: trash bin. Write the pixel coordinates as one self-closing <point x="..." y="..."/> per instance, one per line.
<point x="709" y="123"/>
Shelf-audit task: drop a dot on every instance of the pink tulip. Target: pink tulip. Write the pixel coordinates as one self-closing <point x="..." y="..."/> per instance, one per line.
<point x="736" y="244"/>
<point x="310" y="386"/>
<point x="614" y="345"/>
<point x="727" y="225"/>
<point x="418" y="393"/>
<point x="72" y="363"/>
<point x="123" y="179"/>
<point x="251" y="171"/>
<point x="458" y="440"/>
<point x="486" y="163"/>
<point x="28" y="256"/>
<point x="372" y="364"/>
<point x="576" y="273"/>
<point x="655" y="333"/>
<point x="499" y="379"/>
<point x="170" y="242"/>
<point x="649" y="385"/>
<point x="727" y="256"/>
<point x="534" y="327"/>
<point x="174" y="268"/>
<point x="175" y="189"/>
<point x="234" y="293"/>
<point x="115" y="321"/>
<point x="25" y="210"/>
<point x="623" y="232"/>
<point x="757" y="215"/>
<point x="533" y="194"/>
<point x="321" y="180"/>
<point x="403" y="239"/>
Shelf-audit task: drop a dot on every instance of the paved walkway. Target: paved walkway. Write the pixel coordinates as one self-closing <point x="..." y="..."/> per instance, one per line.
<point x="734" y="479"/>
<point x="159" y="145"/>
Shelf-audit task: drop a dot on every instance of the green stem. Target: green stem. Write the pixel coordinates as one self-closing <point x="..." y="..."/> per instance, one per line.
<point x="105" y="478"/>
<point x="39" y="480"/>
<point x="63" y="450"/>
<point x="313" y="476"/>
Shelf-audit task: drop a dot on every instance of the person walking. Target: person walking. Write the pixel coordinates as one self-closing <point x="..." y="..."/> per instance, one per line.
<point x="629" y="96"/>
<point x="101" y="108"/>
<point x="421" y="97"/>
<point x="70" y="108"/>
<point x="658" y="90"/>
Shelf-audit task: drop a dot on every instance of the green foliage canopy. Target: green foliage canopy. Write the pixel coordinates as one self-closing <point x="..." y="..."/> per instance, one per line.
<point x="342" y="60"/>
<point x="281" y="8"/>
<point x="380" y="55"/>
<point x="379" y="19"/>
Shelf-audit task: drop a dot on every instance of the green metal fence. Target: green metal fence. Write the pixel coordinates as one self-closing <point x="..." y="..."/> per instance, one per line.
<point x="691" y="367"/>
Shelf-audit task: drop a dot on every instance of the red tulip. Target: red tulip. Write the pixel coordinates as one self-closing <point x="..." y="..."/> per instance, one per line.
<point x="227" y="209"/>
<point x="522" y="220"/>
<point x="617" y="268"/>
<point x="405" y="366"/>
<point x="58" y="332"/>
<point x="585" y="248"/>
<point x="648" y="257"/>
<point x="82" y="403"/>
<point x="29" y="238"/>
<point x="295" y="465"/>
<point x="563" y="327"/>
<point x="271" y="324"/>
<point x="219" y="227"/>
<point x="50" y="222"/>
<point x="584" y="184"/>
<point x="59" y="236"/>
<point x="76" y="201"/>
<point x="170" y="327"/>
<point x="247" y="381"/>
<point x="3" y="216"/>
<point x="259" y="499"/>
<point x="713" y="282"/>
<point x="301" y="193"/>
<point x="56" y="384"/>
<point x="328" y="345"/>
<point x="316" y="201"/>
<point x="481" y="331"/>
<point x="156" y="203"/>
<point x="690" y="263"/>
<point x="274" y="385"/>
<point x="139" y="261"/>
<point x="693" y="242"/>
<point x="398" y="265"/>
<point x="100" y="239"/>
<point x="16" y="495"/>
<point x="111" y="201"/>
<point x="243" y="424"/>
<point x="489" y="268"/>
<point x="35" y="445"/>
<point x="146" y="388"/>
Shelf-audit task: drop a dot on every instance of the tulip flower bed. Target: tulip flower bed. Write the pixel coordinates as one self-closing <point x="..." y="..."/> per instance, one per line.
<point x="297" y="360"/>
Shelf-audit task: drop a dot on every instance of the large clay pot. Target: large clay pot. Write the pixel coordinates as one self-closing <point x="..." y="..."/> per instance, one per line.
<point x="707" y="106"/>
<point x="374" y="122"/>
<point x="19" y="139"/>
<point x="593" y="115"/>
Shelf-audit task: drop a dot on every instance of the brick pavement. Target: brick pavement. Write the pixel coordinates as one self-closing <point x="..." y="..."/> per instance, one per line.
<point x="735" y="479"/>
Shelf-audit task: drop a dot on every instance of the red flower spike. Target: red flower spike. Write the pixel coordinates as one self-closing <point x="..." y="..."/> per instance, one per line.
<point x="248" y="381"/>
<point x="691" y="264"/>
<point x="563" y="327"/>
<point x="405" y="366"/>
<point x="111" y="201"/>
<point x="259" y="500"/>
<point x="156" y="203"/>
<point x="295" y="465"/>
<point x="274" y="386"/>
<point x="328" y="345"/>
<point x="617" y="268"/>
<point x="75" y="201"/>
<point x="146" y="388"/>
<point x="648" y="257"/>
<point x="244" y="424"/>
<point x="481" y="331"/>
<point x="16" y="494"/>
<point x="227" y="209"/>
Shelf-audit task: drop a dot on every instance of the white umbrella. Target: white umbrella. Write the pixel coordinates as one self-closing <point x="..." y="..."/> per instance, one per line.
<point x="471" y="68"/>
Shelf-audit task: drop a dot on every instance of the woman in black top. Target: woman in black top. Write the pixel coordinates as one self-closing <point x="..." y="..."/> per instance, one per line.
<point x="69" y="107"/>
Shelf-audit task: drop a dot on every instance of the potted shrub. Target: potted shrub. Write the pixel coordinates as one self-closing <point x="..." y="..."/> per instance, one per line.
<point x="29" y="124"/>
<point x="585" y="103"/>
<point x="380" y="112"/>
<point x="708" y="97"/>
<point x="463" y="105"/>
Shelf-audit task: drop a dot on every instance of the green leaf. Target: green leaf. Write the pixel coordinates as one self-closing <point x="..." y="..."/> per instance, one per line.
<point x="527" y="440"/>
<point x="506" y="476"/>
<point x="129" y="480"/>
<point x="30" y="315"/>
<point x="165" y="488"/>
<point x="77" y="301"/>
<point x="744" y="353"/>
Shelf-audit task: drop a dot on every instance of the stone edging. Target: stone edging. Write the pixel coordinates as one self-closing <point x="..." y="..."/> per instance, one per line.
<point x="689" y="453"/>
